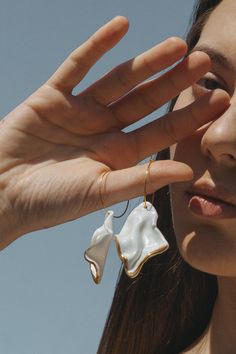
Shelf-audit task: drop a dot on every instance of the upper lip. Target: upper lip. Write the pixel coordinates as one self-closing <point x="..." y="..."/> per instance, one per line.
<point x="217" y="192"/>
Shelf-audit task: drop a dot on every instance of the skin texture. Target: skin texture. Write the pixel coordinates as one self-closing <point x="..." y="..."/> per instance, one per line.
<point x="56" y="145"/>
<point x="209" y="244"/>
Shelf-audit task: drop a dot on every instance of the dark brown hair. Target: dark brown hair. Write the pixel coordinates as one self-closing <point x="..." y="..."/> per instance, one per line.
<point x="169" y="304"/>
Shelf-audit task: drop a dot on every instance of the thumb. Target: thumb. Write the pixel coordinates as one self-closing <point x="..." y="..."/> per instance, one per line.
<point x="129" y="183"/>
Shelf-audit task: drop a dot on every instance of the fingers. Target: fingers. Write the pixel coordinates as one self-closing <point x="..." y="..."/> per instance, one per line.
<point x="76" y="66"/>
<point x="128" y="183"/>
<point x="177" y="125"/>
<point x="153" y="94"/>
<point x="126" y="76"/>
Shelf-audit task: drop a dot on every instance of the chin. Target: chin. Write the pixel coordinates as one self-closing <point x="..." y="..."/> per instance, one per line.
<point x="207" y="245"/>
<point x="207" y="249"/>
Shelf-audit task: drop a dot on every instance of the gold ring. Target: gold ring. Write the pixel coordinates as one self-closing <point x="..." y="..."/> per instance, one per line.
<point x="145" y="184"/>
<point x="100" y="193"/>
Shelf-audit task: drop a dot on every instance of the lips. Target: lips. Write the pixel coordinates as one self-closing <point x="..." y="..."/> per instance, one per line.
<point x="212" y="201"/>
<point x="217" y="193"/>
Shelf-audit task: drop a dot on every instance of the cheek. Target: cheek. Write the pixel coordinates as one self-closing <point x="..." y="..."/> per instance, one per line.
<point x="207" y="245"/>
<point x="189" y="151"/>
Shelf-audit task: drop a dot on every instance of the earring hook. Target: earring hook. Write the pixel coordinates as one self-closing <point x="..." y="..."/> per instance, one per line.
<point x="145" y="183"/>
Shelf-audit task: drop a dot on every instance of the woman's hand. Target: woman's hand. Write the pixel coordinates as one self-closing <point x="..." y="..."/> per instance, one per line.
<point x="55" y="145"/>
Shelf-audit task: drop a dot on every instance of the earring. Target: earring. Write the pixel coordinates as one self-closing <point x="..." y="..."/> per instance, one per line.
<point x="97" y="252"/>
<point x="139" y="238"/>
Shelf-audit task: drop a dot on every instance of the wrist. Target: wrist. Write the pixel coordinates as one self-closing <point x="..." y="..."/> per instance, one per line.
<point x="9" y="228"/>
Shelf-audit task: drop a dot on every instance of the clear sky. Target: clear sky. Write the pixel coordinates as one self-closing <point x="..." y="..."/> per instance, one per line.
<point x="48" y="301"/>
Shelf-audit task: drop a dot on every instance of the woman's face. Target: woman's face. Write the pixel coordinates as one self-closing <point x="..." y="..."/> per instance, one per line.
<point x="206" y="237"/>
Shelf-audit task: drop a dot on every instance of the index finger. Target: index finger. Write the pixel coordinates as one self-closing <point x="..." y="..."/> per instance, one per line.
<point x="78" y="63"/>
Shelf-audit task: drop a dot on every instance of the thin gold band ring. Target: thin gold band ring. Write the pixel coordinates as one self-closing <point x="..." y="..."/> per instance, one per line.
<point x="104" y="176"/>
<point x="105" y="173"/>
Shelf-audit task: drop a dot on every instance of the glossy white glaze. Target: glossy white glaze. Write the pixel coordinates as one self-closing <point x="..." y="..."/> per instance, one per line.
<point x="140" y="239"/>
<point x="97" y="252"/>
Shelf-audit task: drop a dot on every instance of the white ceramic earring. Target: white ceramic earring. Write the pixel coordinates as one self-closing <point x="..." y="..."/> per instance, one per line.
<point x="97" y="252"/>
<point x="138" y="240"/>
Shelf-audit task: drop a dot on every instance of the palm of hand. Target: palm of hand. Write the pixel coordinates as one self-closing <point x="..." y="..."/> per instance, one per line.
<point x="53" y="149"/>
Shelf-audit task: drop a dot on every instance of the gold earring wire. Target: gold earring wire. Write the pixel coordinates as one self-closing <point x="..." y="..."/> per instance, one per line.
<point x="145" y="184"/>
<point x="100" y="195"/>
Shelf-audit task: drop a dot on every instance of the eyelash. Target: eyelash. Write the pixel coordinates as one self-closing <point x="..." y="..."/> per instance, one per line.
<point x="211" y="80"/>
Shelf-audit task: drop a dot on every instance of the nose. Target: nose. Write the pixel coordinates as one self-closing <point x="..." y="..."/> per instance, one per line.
<point x="219" y="140"/>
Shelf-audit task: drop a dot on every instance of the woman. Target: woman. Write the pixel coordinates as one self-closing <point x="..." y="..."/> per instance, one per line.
<point x="184" y="300"/>
<point x="74" y="138"/>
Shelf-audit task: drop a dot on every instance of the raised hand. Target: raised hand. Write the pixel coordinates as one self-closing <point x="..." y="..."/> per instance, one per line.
<point x="55" y="145"/>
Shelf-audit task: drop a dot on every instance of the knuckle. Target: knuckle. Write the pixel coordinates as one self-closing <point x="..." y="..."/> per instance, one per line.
<point x="76" y="60"/>
<point x="193" y="115"/>
<point x="97" y="46"/>
<point x="123" y="78"/>
<point x="150" y="68"/>
<point x="175" y="81"/>
<point x="149" y="101"/>
<point x="169" y="125"/>
<point x="135" y="146"/>
<point x="118" y="120"/>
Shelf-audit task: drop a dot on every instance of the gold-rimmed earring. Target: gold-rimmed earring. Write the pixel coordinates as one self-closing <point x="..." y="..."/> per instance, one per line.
<point x="139" y="238"/>
<point x="96" y="254"/>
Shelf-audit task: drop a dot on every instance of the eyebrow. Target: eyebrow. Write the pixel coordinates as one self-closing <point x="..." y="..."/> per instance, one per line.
<point x="216" y="56"/>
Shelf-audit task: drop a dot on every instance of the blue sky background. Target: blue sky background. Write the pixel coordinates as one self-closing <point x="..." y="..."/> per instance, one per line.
<point x="48" y="301"/>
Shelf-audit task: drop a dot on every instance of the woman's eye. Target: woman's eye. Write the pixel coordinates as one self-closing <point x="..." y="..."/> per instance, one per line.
<point x="210" y="84"/>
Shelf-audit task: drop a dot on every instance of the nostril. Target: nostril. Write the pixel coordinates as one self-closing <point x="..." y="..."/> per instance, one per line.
<point x="209" y="154"/>
<point x="231" y="157"/>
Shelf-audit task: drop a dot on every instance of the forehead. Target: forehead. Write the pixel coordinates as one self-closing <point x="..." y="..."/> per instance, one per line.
<point x="219" y="31"/>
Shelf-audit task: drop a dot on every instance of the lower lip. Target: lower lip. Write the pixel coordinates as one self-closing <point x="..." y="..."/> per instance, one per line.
<point x="210" y="208"/>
